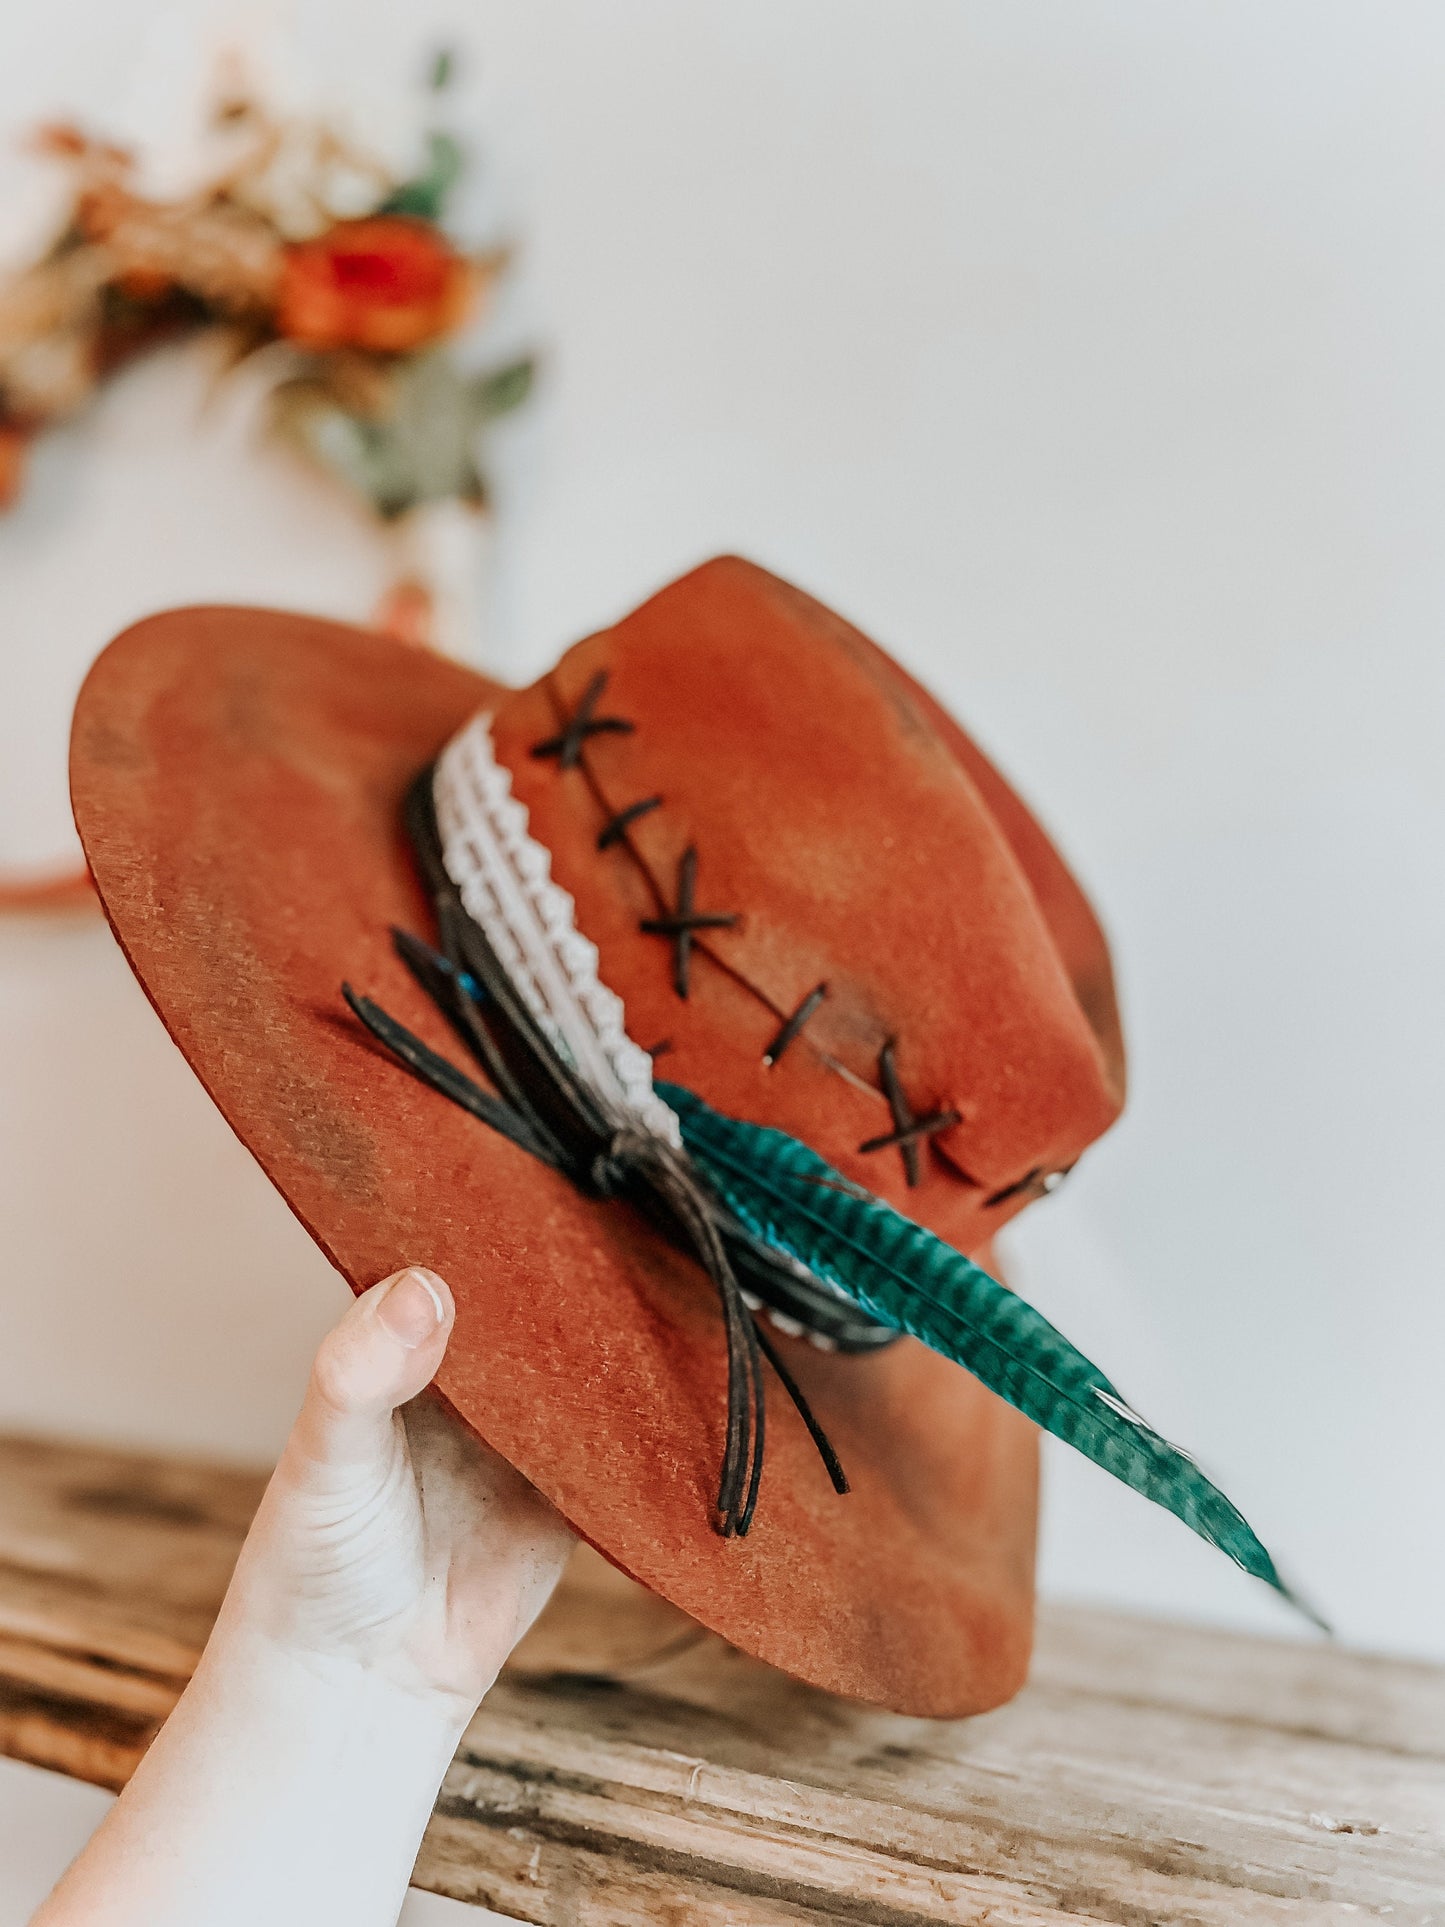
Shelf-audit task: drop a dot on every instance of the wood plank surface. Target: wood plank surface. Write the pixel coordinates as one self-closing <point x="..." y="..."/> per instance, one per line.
<point x="631" y="1769"/>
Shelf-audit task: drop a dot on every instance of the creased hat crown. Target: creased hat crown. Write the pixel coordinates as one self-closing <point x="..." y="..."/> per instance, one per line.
<point x="837" y="825"/>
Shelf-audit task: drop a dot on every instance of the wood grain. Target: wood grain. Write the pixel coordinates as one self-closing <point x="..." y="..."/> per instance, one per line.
<point x="631" y="1770"/>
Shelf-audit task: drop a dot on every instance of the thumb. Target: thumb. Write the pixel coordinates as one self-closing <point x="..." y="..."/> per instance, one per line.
<point x="380" y="1354"/>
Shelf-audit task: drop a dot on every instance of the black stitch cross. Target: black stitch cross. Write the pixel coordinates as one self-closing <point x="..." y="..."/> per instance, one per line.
<point x="617" y="827"/>
<point x="794" y="1024"/>
<point x="684" y="921"/>
<point x="567" y="747"/>
<point x="908" y="1131"/>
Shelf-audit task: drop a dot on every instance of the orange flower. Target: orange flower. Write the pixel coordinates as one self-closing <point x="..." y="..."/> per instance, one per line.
<point x="387" y="284"/>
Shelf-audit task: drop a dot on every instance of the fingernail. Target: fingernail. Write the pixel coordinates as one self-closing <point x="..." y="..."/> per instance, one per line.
<point x="413" y="1309"/>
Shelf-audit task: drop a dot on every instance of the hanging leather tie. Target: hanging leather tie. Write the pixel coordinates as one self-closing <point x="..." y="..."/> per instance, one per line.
<point x="540" y="1103"/>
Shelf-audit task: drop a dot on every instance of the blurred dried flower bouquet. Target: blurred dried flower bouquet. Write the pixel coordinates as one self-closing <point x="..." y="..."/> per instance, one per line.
<point x="303" y="244"/>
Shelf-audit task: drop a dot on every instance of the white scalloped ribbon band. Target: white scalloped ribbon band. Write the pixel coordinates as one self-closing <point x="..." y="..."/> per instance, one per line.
<point x="503" y="876"/>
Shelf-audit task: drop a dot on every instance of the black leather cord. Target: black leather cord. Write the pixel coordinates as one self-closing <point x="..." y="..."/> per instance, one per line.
<point x="541" y="1105"/>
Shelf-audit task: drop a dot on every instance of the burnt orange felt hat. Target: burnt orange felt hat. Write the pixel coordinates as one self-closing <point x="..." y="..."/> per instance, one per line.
<point x="836" y="934"/>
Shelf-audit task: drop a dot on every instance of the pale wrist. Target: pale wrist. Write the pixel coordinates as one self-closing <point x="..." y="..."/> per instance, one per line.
<point x="342" y="1688"/>
<point x="286" y="1786"/>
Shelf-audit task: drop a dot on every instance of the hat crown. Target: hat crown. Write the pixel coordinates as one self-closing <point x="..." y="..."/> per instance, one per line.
<point x="847" y="845"/>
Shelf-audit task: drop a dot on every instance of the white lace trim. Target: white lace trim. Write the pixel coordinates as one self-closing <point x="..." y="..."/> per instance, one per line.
<point x="503" y="875"/>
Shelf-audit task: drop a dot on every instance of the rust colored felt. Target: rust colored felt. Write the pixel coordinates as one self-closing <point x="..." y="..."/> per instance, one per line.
<point x="237" y="779"/>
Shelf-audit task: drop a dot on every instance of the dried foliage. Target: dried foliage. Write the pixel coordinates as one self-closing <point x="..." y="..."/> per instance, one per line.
<point x="297" y="242"/>
<point x="299" y="239"/>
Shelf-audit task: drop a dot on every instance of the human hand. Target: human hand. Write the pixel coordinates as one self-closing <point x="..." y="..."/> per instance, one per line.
<point x="393" y="1564"/>
<point x="389" y="1538"/>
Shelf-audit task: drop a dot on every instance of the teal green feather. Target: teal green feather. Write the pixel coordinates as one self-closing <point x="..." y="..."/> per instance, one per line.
<point x="914" y="1282"/>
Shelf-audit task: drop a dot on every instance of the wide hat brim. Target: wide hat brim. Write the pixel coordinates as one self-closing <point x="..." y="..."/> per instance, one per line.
<point x="237" y="779"/>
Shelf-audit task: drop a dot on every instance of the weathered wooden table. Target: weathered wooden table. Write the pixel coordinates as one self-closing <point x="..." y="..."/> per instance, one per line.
<point x="634" y="1770"/>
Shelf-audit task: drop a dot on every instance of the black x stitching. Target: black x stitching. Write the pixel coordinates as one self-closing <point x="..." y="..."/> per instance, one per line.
<point x="682" y="923"/>
<point x="792" y="1025"/>
<point x="909" y="1131"/>
<point x="567" y="746"/>
<point x="617" y="827"/>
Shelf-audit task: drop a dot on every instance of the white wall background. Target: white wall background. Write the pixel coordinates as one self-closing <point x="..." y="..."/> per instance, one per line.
<point x="1094" y="360"/>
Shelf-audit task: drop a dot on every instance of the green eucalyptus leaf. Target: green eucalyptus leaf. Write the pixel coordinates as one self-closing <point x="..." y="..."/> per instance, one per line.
<point x="426" y="196"/>
<point x="503" y="389"/>
<point x="430" y="425"/>
<point x="417" y="445"/>
<point x="909" y="1279"/>
<point x="348" y="445"/>
<point x="418" y="448"/>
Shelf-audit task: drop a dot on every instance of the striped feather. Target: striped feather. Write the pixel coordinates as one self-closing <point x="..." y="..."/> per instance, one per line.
<point x="909" y="1279"/>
